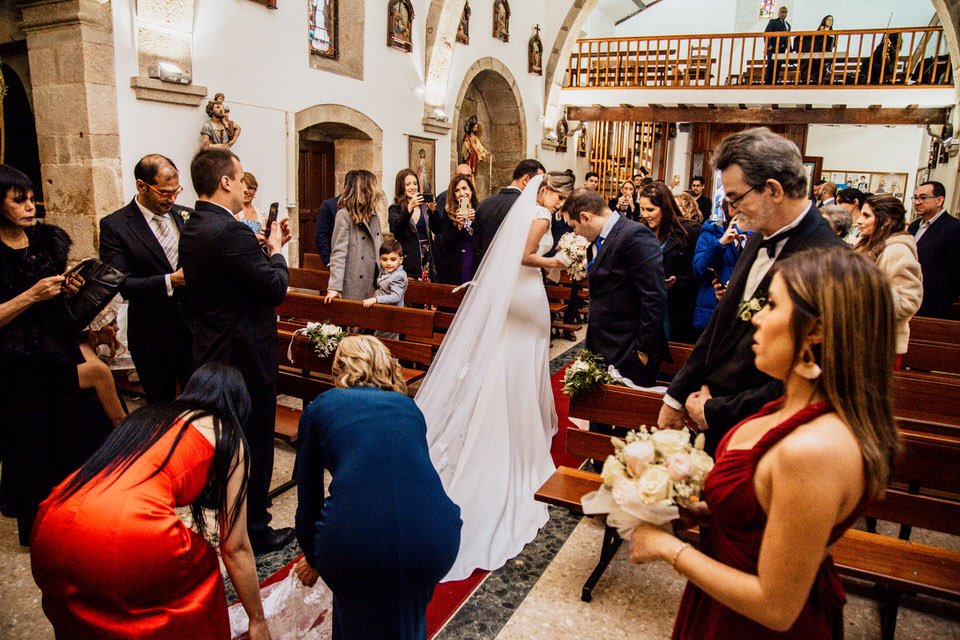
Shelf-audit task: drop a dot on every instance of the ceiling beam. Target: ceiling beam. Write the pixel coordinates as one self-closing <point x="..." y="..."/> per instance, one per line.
<point x="871" y="115"/>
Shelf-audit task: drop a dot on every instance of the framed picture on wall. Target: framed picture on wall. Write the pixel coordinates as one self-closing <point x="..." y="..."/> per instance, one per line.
<point x="892" y="183"/>
<point x="871" y="182"/>
<point x="812" y="167"/>
<point x="423" y="152"/>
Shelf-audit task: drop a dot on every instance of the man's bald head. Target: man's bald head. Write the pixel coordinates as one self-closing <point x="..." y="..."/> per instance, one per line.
<point x="464" y="169"/>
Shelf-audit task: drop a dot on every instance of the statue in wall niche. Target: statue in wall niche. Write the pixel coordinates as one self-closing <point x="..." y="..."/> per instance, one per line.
<point x="400" y="25"/>
<point x="463" y="29"/>
<point x="582" y="142"/>
<point x="472" y="151"/>
<point x="501" y="20"/>
<point x="563" y="131"/>
<point x="535" y="53"/>
<point x="219" y="129"/>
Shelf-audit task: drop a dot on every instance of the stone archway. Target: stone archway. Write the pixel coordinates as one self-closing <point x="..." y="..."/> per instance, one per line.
<point x="489" y="91"/>
<point x="331" y="140"/>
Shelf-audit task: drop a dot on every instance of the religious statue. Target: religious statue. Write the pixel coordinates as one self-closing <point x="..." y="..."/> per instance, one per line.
<point x="219" y="129"/>
<point x="535" y="53"/>
<point x="400" y="25"/>
<point x="472" y="152"/>
<point x="501" y="20"/>
<point x="463" y="29"/>
<point x="563" y="131"/>
<point x="582" y="142"/>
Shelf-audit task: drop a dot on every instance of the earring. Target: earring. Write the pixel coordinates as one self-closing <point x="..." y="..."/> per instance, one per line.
<point x="808" y="367"/>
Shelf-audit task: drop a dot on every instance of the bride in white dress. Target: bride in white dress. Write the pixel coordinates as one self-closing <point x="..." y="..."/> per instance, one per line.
<point x="487" y="400"/>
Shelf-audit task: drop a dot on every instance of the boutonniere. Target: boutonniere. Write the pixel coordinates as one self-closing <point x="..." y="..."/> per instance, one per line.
<point x="184" y="213"/>
<point x="753" y="305"/>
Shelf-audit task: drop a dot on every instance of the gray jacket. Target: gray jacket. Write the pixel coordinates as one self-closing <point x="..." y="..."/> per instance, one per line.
<point x="391" y="287"/>
<point x="353" y="256"/>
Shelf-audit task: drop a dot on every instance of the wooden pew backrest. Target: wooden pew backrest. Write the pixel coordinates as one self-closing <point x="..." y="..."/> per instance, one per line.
<point x="350" y="313"/>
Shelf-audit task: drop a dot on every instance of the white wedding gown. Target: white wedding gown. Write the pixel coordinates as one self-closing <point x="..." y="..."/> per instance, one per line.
<point x="494" y="454"/>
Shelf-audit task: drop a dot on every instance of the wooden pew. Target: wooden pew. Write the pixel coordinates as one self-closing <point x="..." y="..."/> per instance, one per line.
<point x="935" y="330"/>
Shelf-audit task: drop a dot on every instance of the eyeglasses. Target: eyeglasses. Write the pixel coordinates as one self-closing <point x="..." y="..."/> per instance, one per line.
<point x="922" y="198"/>
<point x="166" y="195"/>
<point x="733" y="203"/>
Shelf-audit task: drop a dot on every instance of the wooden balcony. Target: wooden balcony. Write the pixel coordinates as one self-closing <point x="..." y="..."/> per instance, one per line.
<point x="915" y="57"/>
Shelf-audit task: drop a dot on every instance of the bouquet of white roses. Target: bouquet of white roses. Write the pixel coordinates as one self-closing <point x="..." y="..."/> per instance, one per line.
<point x="574" y="247"/>
<point x="584" y="373"/>
<point x="651" y="474"/>
<point x="324" y="336"/>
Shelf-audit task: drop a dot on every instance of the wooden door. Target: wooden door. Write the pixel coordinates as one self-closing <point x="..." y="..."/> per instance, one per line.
<point x="316" y="183"/>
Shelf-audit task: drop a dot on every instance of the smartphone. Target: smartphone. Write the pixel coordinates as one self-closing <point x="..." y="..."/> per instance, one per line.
<point x="464" y="205"/>
<point x="271" y="217"/>
<point x="714" y="276"/>
<point x="427" y="197"/>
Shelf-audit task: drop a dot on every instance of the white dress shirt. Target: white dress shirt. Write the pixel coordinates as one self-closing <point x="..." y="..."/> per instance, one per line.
<point x="926" y="225"/>
<point x="167" y="220"/>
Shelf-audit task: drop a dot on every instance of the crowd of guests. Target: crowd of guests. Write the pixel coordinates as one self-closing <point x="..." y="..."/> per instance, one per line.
<point x="111" y="555"/>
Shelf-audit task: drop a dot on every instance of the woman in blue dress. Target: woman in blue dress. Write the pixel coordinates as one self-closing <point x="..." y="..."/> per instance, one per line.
<point x="388" y="532"/>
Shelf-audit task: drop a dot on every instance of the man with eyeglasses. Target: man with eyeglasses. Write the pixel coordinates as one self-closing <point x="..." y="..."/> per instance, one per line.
<point x="763" y="177"/>
<point x="938" y="248"/>
<point x="141" y="241"/>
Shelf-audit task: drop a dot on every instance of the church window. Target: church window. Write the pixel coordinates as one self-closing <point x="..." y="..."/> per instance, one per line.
<point x="323" y="28"/>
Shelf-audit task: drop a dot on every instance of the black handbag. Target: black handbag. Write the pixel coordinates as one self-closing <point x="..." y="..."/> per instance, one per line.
<point x="101" y="283"/>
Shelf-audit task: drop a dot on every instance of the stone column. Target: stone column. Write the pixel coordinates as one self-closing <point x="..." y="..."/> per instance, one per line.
<point x="70" y="46"/>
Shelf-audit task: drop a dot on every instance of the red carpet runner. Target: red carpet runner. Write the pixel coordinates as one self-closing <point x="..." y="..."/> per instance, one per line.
<point x="449" y="596"/>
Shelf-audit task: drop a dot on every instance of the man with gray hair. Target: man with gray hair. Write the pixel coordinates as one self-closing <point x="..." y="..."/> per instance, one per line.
<point x="765" y="185"/>
<point x="838" y="218"/>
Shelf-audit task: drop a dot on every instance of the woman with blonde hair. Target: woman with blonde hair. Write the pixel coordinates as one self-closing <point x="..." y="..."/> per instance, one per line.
<point x="249" y="214"/>
<point x="487" y="398"/>
<point x="688" y="207"/>
<point x="885" y="239"/>
<point x="626" y="202"/>
<point x="790" y="480"/>
<point x="356" y="239"/>
<point x="387" y="533"/>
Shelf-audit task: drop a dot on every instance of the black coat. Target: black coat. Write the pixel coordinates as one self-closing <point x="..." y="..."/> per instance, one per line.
<point x="939" y="253"/>
<point x="232" y="289"/>
<point x="633" y="212"/>
<point x="489" y="216"/>
<point x="448" y="243"/>
<point x="681" y="297"/>
<point x="777" y="44"/>
<point x="324" y="233"/>
<point x="628" y="301"/>
<point x="127" y="243"/>
<point x="406" y="234"/>
<point x="723" y="358"/>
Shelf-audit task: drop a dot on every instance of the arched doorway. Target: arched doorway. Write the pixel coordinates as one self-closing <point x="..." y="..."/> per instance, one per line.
<point x="331" y="140"/>
<point x="490" y="93"/>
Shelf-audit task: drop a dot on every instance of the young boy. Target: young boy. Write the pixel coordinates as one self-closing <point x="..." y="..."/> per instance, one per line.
<point x="392" y="281"/>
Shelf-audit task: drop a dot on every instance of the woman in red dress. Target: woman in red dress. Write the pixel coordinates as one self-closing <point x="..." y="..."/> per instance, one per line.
<point x="791" y="479"/>
<point x="109" y="553"/>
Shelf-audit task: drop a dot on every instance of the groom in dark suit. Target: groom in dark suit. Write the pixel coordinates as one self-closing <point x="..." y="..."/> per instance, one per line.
<point x="491" y="212"/>
<point x="762" y="175"/>
<point x="141" y="241"/>
<point x="628" y="295"/>
<point x="232" y="289"/>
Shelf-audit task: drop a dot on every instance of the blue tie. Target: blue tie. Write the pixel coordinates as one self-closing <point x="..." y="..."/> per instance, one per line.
<point x="596" y="251"/>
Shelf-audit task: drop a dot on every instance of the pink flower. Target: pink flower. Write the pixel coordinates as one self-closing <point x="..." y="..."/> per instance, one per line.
<point x="639" y="454"/>
<point x="679" y="467"/>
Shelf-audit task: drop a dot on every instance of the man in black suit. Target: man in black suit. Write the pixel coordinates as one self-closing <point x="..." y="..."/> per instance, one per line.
<point x="938" y="248"/>
<point x="491" y="212"/>
<point x="628" y="295"/>
<point x="141" y="241"/>
<point x="704" y="203"/>
<point x="763" y="177"/>
<point x="775" y="45"/>
<point x="232" y="289"/>
<point x="326" y="217"/>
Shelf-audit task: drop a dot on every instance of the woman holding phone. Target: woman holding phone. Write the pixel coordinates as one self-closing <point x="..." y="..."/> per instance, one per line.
<point x="456" y="264"/>
<point x="714" y="258"/>
<point x="414" y="223"/>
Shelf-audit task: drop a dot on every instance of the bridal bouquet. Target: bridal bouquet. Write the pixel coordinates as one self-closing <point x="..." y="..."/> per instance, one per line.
<point x="584" y="373"/>
<point x="574" y="247"/>
<point x="651" y="474"/>
<point x="324" y="336"/>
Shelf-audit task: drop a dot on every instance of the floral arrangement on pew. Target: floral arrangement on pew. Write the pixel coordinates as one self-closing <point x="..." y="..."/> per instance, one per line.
<point x="584" y="373"/>
<point x="652" y="473"/>
<point x="574" y="247"/>
<point x="324" y="336"/>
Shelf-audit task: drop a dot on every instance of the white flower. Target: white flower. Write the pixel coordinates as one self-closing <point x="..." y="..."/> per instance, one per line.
<point x="329" y="330"/>
<point x="670" y="441"/>
<point x="626" y="491"/>
<point x="612" y="471"/>
<point x="639" y="455"/>
<point x="679" y="467"/>
<point x="654" y="485"/>
<point x="699" y="442"/>
<point x="701" y="463"/>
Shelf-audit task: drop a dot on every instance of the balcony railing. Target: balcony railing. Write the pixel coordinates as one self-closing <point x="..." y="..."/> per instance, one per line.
<point x="914" y="57"/>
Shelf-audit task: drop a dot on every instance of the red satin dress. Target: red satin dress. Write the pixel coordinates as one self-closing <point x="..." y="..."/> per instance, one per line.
<point x="735" y="533"/>
<point x="115" y="561"/>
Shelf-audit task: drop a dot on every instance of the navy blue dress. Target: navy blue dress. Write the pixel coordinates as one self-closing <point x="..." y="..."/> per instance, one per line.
<point x="388" y="532"/>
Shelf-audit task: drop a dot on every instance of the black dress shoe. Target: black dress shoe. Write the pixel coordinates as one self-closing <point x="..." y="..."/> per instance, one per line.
<point x="272" y="540"/>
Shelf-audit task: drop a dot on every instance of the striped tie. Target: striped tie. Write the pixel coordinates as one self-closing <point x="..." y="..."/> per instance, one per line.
<point x="167" y="240"/>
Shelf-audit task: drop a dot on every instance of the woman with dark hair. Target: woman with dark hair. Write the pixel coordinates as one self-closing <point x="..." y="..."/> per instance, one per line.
<point x="39" y="349"/>
<point x="790" y="480"/>
<point x="678" y="238"/>
<point x="626" y="203"/>
<point x="455" y="235"/>
<point x="816" y="68"/>
<point x="852" y="200"/>
<point x="885" y="239"/>
<point x="414" y="223"/>
<point x="881" y="66"/>
<point x="110" y="554"/>
<point x="387" y="533"/>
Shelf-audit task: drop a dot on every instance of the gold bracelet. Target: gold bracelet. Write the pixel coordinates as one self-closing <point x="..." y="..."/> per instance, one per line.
<point x="676" y="556"/>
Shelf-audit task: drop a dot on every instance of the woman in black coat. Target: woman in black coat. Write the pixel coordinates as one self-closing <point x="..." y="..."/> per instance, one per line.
<point x="39" y="351"/>
<point x="626" y="203"/>
<point x="456" y="262"/>
<point x="678" y="239"/>
<point x="387" y="533"/>
<point x="414" y="223"/>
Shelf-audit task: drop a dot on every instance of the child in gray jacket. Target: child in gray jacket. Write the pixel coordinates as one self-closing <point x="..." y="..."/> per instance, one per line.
<point x="391" y="283"/>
